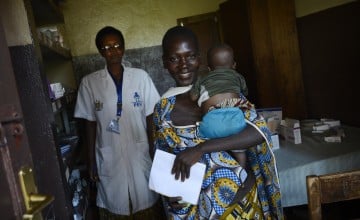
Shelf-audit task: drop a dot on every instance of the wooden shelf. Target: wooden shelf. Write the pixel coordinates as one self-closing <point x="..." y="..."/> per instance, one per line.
<point x="51" y="52"/>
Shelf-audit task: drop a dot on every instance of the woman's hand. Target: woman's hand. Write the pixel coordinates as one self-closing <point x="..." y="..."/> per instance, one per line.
<point x="184" y="160"/>
<point x="93" y="173"/>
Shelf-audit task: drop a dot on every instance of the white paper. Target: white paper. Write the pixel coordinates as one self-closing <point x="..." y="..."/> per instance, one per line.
<point x="162" y="181"/>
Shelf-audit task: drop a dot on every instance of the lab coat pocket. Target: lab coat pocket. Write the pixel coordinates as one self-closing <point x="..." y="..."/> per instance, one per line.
<point x="139" y="131"/>
<point x="106" y="158"/>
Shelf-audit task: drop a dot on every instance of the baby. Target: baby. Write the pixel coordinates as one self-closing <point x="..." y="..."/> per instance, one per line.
<point x="220" y="96"/>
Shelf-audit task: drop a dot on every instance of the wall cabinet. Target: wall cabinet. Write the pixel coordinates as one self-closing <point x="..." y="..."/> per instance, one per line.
<point x="55" y="60"/>
<point x="264" y="37"/>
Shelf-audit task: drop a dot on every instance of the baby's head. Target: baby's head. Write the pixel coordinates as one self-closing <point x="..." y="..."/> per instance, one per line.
<point x="221" y="56"/>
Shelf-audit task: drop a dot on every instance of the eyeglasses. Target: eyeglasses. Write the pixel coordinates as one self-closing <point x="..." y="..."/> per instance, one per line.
<point x="187" y="58"/>
<point x="108" y="47"/>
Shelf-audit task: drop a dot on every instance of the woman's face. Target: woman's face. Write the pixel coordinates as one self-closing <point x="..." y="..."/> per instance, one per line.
<point x="112" y="49"/>
<point x="182" y="60"/>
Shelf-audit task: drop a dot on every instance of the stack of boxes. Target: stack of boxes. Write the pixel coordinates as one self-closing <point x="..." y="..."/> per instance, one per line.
<point x="330" y="129"/>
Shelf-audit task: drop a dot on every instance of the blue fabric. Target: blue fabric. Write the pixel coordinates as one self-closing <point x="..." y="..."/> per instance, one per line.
<point x="222" y="122"/>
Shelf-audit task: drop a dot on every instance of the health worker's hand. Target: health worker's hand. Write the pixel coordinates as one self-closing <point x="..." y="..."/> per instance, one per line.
<point x="93" y="173"/>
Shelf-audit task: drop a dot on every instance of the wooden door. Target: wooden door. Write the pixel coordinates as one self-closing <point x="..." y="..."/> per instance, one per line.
<point x="264" y="37"/>
<point x="206" y="28"/>
<point x="16" y="163"/>
<point x="14" y="147"/>
<point x="234" y="20"/>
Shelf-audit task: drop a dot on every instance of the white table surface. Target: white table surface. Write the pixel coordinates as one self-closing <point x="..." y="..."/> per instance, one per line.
<point x="314" y="156"/>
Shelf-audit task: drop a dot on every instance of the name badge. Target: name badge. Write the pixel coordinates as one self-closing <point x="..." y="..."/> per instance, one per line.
<point x="114" y="126"/>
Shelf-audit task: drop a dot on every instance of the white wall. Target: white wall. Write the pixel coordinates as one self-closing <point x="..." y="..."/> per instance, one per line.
<point x="15" y="22"/>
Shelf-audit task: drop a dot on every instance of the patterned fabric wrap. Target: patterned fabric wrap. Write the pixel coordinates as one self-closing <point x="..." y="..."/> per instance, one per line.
<point x="222" y="175"/>
<point x="248" y="208"/>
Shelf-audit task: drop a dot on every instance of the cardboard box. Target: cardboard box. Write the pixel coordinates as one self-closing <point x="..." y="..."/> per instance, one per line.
<point x="336" y="139"/>
<point x="275" y="141"/>
<point x="290" y="130"/>
<point x="330" y="122"/>
<point x="292" y="135"/>
<point x="273" y="117"/>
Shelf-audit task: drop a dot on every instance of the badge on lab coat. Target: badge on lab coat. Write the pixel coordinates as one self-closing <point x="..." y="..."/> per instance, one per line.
<point x="114" y="126"/>
<point x="98" y="105"/>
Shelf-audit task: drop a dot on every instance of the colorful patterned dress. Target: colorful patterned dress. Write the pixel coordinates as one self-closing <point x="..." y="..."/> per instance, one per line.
<point x="223" y="176"/>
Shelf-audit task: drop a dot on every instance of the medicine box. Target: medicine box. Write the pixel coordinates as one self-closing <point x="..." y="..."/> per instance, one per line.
<point x="290" y="130"/>
<point x="275" y="141"/>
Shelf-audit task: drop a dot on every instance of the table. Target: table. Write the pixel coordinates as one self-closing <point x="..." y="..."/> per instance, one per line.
<point x="314" y="156"/>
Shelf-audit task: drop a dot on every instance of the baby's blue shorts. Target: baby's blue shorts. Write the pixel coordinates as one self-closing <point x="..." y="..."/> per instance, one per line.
<point x="221" y="122"/>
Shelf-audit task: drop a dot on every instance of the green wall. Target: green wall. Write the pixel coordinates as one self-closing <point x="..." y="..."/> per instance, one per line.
<point x="306" y="7"/>
<point x="143" y="22"/>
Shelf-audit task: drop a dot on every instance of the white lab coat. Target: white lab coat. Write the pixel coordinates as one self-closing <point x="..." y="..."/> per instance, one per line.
<point x="123" y="159"/>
